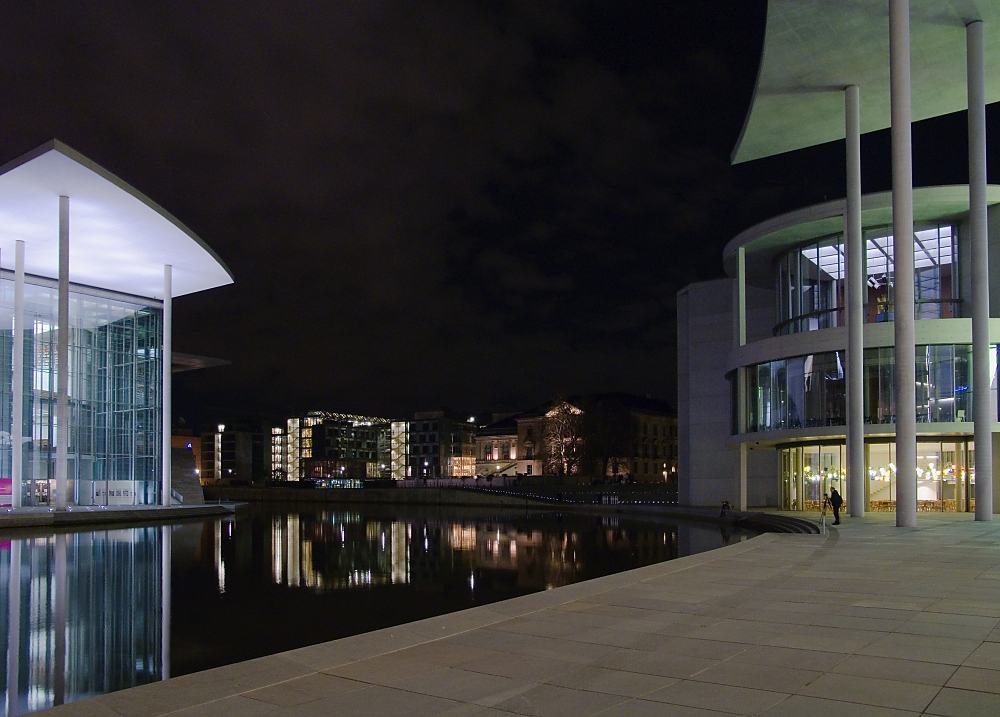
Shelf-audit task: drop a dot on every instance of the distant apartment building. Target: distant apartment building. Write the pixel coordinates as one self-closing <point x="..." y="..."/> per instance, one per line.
<point x="440" y="445"/>
<point x="323" y="445"/>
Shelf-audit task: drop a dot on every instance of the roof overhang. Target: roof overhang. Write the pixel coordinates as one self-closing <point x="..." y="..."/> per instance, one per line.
<point x="813" y="49"/>
<point x="119" y="239"/>
<point x="765" y="241"/>
<point x="180" y="362"/>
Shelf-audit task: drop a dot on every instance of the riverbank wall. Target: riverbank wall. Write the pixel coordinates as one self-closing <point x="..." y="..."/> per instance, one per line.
<point x="617" y="499"/>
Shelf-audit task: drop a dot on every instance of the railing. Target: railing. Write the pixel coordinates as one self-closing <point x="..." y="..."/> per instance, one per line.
<point x="633" y="494"/>
<point x="783" y="328"/>
<point x="885" y="313"/>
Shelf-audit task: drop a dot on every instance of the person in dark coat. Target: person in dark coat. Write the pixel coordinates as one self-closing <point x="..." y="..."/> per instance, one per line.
<point x="835" y="502"/>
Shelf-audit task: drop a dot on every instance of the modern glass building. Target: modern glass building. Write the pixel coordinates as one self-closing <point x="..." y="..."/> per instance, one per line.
<point x="85" y="412"/>
<point x="840" y="353"/>
<point x="787" y="381"/>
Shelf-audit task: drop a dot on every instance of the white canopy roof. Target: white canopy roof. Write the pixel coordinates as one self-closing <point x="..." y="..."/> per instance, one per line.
<point x="813" y="49"/>
<point x="118" y="239"/>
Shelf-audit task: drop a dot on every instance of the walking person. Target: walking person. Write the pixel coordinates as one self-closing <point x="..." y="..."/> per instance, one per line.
<point x="836" y="500"/>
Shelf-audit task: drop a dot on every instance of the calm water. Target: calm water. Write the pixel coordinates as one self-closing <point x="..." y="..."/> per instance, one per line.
<point x="100" y="602"/>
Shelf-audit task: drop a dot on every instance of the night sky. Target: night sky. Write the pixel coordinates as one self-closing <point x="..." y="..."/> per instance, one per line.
<point x="429" y="203"/>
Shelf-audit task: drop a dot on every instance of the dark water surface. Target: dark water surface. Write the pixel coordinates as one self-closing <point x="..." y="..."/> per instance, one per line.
<point x="276" y="578"/>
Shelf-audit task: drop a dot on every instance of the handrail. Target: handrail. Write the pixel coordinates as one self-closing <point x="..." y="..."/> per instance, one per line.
<point x="779" y="329"/>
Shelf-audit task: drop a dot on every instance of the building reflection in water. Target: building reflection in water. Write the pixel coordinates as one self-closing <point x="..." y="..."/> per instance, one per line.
<point x="84" y="614"/>
<point x="329" y="551"/>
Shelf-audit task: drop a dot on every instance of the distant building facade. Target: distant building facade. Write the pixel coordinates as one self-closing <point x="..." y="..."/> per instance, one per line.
<point x="496" y="448"/>
<point x="611" y="435"/>
<point x="323" y="445"/>
<point x="441" y="445"/>
<point x="235" y="454"/>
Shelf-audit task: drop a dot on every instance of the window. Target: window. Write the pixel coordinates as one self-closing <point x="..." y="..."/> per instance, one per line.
<point x="528" y="472"/>
<point x="505" y="451"/>
<point x="808" y="391"/>
<point x="810" y="286"/>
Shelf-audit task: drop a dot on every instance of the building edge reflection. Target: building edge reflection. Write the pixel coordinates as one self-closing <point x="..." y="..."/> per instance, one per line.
<point x="87" y="614"/>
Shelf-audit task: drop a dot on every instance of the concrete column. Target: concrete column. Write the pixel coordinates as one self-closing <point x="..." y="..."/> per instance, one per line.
<point x="904" y="378"/>
<point x="741" y="296"/>
<point x="17" y="379"/>
<point x="168" y="317"/>
<point x="981" y="379"/>
<point x="13" y="627"/>
<point x="856" y="285"/>
<point x="62" y="360"/>
<point x="740" y="339"/>
<point x="741" y="476"/>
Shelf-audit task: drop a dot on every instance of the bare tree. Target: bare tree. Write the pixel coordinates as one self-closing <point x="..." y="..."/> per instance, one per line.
<point x="563" y="439"/>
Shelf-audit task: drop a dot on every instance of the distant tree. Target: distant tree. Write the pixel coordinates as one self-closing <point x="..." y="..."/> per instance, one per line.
<point x="563" y="440"/>
<point x="607" y="426"/>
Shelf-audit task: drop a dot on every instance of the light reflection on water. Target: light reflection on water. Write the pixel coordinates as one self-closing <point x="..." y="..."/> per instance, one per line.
<point x="90" y="602"/>
<point x="84" y="613"/>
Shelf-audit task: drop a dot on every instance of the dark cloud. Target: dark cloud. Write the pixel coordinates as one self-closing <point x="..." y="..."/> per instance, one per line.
<point x="479" y="204"/>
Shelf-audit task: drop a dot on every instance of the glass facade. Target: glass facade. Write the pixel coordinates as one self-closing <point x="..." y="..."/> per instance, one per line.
<point x="808" y="391"/>
<point x="114" y="439"/>
<point x="809" y="280"/>
<point x="946" y="476"/>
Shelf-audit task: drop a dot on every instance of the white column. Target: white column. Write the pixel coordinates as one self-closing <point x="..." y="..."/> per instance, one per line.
<point x="856" y="287"/>
<point x="741" y="469"/>
<point x="62" y="359"/>
<point x="904" y="378"/>
<point x="13" y="627"/>
<point x="981" y="379"/>
<point x="740" y="339"/>
<point x="168" y="317"/>
<point x="741" y="295"/>
<point x="17" y="377"/>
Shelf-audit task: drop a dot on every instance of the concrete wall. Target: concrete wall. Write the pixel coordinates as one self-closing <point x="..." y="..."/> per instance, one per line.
<point x="704" y="339"/>
<point x="707" y="464"/>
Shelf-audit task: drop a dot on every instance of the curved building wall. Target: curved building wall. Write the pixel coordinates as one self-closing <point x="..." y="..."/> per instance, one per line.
<point x="809" y="391"/>
<point x="786" y="382"/>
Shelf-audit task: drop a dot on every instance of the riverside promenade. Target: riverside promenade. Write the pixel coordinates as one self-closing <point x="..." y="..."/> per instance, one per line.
<point x="868" y="620"/>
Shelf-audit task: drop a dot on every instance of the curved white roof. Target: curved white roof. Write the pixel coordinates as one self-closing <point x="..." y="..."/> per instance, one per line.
<point x="813" y="49"/>
<point x="118" y="239"/>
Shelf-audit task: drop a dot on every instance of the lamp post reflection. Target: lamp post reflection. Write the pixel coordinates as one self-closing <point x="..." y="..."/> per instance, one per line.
<point x="86" y="615"/>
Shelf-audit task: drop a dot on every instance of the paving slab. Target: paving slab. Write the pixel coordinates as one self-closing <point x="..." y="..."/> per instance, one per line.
<point x="867" y="620"/>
